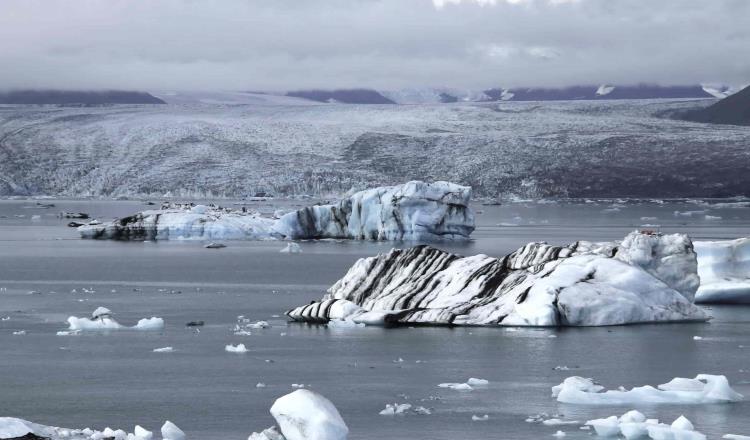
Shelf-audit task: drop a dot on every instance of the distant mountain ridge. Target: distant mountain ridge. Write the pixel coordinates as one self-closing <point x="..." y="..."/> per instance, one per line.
<point x="85" y="97"/>
<point x="734" y="110"/>
<point x="572" y="93"/>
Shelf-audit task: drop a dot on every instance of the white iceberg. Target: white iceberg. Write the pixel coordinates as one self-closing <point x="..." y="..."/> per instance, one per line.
<point x="170" y="431"/>
<point x="645" y="278"/>
<point x="724" y="270"/>
<point x="102" y="319"/>
<point x="291" y="248"/>
<point x="239" y="348"/>
<point x="634" y="425"/>
<point x="306" y="415"/>
<point x="411" y="211"/>
<point x="11" y="427"/>
<point x="704" y="388"/>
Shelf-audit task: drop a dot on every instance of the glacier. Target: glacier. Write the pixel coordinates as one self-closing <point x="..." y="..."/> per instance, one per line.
<point x="644" y="278"/>
<point x="224" y="148"/>
<point x="412" y="211"/>
<point x="724" y="270"/>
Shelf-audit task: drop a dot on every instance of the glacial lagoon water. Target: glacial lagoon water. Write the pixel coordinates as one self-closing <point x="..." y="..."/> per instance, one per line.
<point x="115" y="379"/>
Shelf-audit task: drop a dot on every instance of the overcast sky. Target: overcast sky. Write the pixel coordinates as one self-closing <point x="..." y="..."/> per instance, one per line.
<point x="387" y="44"/>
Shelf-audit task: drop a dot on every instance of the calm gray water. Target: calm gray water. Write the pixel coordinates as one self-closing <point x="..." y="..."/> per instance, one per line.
<point x="116" y="380"/>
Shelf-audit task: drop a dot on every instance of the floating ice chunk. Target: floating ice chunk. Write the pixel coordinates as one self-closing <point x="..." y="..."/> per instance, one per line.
<point x="558" y="422"/>
<point x="170" y="431"/>
<point x="724" y="270"/>
<point x="712" y="217"/>
<point x="260" y="385"/>
<point x="306" y="415"/>
<point x="19" y="332"/>
<point x="456" y="386"/>
<point x="705" y="388"/>
<point x="291" y="248"/>
<point x="140" y="433"/>
<point x="609" y="427"/>
<point x="163" y="350"/>
<point x="102" y="320"/>
<point x="394" y="409"/>
<point x="736" y="437"/>
<point x="36" y="217"/>
<point x="645" y="278"/>
<point x="239" y="348"/>
<point x="481" y="418"/>
<point x="68" y="333"/>
<point x="473" y="381"/>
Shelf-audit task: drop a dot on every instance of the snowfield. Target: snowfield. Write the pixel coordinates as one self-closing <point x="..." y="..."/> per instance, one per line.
<point x="283" y="147"/>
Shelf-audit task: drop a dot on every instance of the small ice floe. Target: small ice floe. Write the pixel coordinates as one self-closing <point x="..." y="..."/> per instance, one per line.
<point x="344" y="323"/>
<point x="649" y="219"/>
<point x="170" y="431"/>
<point x="395" y="409"/>
<point x="259" y="325"/>
<point x="260" y="385"/>
<point x="141" y="433"/>
<point x="697" y="338"/>
<point x="456" y="386"/>
<point x="291" y="248"/>
<point x="239" y="348"/>
<point x="398" y="361"/>
<point x="102" y="319"/>
<point x="559" y="422"/>
<point x="561" y="368"/>
<point x="704" y="388"/>
<point x="634" y="425"/>
<point x="712" y="218"/>
<point x="610" y="210"/>
<point x="36" y="218"/>
<point x="19" y="332"/>
<point x="11" y="427"/>
<point x="736" y="437"/>
<point x="68" y="332"/>
<point x="473" y="381"/>
<point x="689" y="213"/>
<point x="214" y="245"/>
<point x="559" y="434"/>
<point x="482" y="418"/>
<point x="298" y="385"/>
<point x="5" y="318"/>
<point x="163" y="350"/>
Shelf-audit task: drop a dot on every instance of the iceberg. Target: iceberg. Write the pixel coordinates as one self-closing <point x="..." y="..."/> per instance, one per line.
<point x="412" y="211"/>
<point x="12" y="428"/>
<point x="634" y="425"/>
<point x="306" y="415"/>
<point x="724" y="270"/>
<point x="644" y="278"/>
<point x="101" y="319"/>
<point x="182" y="221"/>
<point x="704" y="388"/>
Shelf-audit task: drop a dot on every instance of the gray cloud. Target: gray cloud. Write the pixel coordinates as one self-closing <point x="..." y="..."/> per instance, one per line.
<point x="283" y="44"/>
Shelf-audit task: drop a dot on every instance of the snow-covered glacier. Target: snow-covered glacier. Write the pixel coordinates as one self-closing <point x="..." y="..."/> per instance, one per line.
<point x="724" y="270"/>
<point x="643" y="278"/>
<point x="411" y="211"/>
